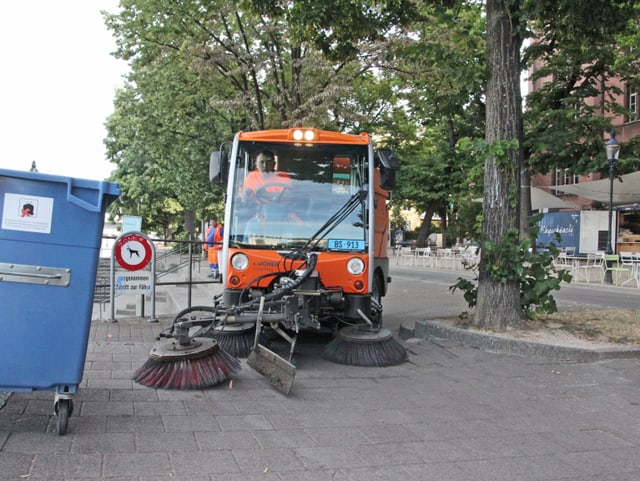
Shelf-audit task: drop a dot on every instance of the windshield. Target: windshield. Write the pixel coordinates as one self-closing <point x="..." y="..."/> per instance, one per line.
<point x="286" y="196"/>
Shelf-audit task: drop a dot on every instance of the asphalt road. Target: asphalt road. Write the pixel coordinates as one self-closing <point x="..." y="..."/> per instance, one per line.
<point x="419" y="294"/>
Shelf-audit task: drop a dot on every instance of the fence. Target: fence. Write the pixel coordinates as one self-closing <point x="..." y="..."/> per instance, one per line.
<point x="180" y="279"/>
<point x="457" y="259"/>
<point x="588" y="268"/>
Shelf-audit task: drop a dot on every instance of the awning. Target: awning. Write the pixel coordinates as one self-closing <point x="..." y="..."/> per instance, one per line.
<point x="541" y="199"/>
<point x="626" y="189"/>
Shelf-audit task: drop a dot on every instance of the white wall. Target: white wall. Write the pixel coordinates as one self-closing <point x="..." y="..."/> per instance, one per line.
<point x="592" y="221"/>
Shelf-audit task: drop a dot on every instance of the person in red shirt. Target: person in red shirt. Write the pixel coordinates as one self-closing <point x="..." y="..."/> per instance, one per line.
<point x="265" y="185"/>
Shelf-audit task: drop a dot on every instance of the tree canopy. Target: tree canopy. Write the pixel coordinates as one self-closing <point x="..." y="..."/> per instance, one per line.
<point x="202" y="70"/>
<point x="438" y="81"/>
<point x="576" y="51"/>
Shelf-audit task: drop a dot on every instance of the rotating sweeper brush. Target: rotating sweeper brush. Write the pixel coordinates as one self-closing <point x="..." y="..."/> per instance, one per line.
<point x="186" y="363"/>
<point x="363" y="345"/>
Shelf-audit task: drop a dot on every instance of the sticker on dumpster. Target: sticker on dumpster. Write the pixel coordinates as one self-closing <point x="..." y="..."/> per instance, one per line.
<point x="133" y="251"/>
<point x="28" y="213"/>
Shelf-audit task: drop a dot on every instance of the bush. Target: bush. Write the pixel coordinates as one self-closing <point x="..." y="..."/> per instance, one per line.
<point x="514" y="259"/>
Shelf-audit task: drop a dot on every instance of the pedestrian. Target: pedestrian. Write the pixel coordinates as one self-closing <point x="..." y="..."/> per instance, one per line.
<point x="213" y="245"/>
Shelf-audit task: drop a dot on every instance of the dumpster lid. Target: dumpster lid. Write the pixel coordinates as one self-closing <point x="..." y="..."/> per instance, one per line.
<point x="74" y="187"/>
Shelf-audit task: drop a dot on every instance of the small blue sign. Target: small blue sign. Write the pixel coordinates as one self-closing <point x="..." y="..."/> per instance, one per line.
<point x="131" y="223"/>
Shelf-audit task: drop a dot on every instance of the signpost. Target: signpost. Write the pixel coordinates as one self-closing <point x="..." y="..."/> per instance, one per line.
<point x="133" y="251"/>
<point x="133" y="283"/>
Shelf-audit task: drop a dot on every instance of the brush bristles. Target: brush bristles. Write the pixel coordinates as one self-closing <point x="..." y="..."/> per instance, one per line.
<point x="188" y="373"/>
<point x="377" y="353"/>
<point x="236" y="344"/>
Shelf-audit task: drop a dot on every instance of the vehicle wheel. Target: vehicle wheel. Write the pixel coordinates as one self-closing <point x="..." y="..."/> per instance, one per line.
<point x="63" y="409"/>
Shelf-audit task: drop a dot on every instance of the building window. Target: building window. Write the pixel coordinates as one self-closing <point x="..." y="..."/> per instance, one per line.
<point x="569" y="178"/>
<point x="559" y="177"/>
<point x="564" y="177"/>
<point x="633" y="105"/>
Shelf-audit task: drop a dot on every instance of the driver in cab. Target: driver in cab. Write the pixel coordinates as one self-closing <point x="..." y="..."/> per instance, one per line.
<point x="265" y="182"/>
<point x="265" y="185"/>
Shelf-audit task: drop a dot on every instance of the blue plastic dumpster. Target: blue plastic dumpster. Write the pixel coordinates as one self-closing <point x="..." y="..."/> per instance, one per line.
<point x="50" y="236"/>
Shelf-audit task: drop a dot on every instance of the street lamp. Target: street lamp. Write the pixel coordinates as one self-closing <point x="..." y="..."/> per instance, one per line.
<point x="613" y="151"/>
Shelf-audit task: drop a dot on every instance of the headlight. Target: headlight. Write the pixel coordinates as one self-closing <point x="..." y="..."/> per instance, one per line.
<point x="355" y="266"/>
<point x="240" y="261"/>
<point x="308" y="134"/>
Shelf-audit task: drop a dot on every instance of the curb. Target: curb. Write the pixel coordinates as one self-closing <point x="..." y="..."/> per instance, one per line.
<point x="433" y="330"/>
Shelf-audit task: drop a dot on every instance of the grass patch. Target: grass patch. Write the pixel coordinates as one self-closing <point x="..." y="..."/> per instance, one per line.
<point x="619" y="326"/>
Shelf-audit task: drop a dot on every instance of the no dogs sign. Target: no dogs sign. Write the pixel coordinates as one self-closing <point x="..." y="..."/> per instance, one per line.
<point x="133" y="251"/>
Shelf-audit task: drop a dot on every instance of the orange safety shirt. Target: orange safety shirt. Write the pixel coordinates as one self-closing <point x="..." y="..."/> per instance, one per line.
<point x="214" y="244"/>
<point x="256" y="178"/>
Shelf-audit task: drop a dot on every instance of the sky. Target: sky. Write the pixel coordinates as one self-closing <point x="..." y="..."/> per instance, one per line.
<point x="57" y="85"/>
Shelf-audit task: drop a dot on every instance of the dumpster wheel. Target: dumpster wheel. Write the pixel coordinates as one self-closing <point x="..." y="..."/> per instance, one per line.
<point x="63" y="408"/>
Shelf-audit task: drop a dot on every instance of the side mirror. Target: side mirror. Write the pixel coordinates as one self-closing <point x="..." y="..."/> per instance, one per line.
<point x="388" y="163"/>
<point x="218" y="167"/>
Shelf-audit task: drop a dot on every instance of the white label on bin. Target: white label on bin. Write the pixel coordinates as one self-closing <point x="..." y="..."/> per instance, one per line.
<point x="27" y="213"/>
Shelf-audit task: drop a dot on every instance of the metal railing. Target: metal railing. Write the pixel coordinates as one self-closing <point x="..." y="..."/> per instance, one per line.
<point x="177" y="263"/>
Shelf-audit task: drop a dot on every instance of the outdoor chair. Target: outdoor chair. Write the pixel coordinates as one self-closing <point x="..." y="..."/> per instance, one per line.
<point x="425" y="256"/>
<point x="568" y="262"/>
<point x="406" y="251"/>
<point x="630" y="262"/>
<point x="612" y="263"/>
<point x="592" y="264"/>
<point x="562" y="261"/>
<point x="445" y="259"/>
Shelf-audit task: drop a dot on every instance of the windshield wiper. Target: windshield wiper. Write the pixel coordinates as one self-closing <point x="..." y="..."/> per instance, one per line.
<point x="335" y="220"/>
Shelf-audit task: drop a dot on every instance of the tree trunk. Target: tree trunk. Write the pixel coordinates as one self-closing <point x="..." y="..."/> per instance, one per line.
<point x="189" y="221"/>
<point x="444" y="222"/>
<point x="498" y="303"/>
<point x="425" y="227"/>
<point x="525" y="201"/>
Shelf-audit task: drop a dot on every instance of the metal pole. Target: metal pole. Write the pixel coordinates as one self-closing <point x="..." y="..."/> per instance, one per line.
<point x="607" y="274"/>
<point x="112" y="285"/>
<point x="611" y="157"/>
<point x="612" y="148"/>
<point x="610" y="232"/>
<point x="190" y="274"/>
<point x="153" y="317"/>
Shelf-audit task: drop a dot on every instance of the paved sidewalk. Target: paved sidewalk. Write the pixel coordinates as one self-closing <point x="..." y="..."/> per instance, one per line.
<point x="453" y="412"/>
<point x="450" y="413"/>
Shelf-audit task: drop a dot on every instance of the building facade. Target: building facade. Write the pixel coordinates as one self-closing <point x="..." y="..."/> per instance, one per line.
<point x="626" y="226"/>
<point x="625" y="126"/>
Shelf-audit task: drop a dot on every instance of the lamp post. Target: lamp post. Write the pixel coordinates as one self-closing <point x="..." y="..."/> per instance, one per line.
<point x="613" y="151"/>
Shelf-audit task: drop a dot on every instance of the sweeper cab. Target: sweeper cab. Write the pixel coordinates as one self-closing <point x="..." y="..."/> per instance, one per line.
<point x="327" y="194"/>
<point x="305" y="249"/>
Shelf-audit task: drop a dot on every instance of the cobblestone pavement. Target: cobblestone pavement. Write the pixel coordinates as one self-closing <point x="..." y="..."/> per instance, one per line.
<point x="451" y="412"/>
